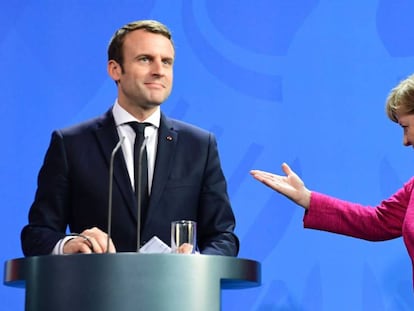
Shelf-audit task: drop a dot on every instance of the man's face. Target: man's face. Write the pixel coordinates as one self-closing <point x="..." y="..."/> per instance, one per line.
<point x="147" y="76"/>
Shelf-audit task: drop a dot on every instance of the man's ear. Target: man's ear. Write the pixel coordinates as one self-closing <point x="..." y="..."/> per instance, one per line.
<point x="114" y="70"/>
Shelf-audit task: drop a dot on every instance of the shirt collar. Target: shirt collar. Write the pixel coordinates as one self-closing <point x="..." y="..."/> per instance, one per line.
<point x="121" y="116"/>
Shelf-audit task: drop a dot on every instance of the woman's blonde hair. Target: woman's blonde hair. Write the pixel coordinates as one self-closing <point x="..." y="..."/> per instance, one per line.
<point x="400" y="101"/>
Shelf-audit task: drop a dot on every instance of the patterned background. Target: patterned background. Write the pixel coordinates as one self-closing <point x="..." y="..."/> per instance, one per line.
<point x="301" y="81"/>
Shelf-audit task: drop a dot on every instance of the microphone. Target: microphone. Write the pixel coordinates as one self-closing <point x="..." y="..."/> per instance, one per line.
<point x="110" y="191"/>
<point x="138" y="186"/>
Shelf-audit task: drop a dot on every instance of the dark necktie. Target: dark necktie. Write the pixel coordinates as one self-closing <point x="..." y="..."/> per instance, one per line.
<point x="139" y="129"/>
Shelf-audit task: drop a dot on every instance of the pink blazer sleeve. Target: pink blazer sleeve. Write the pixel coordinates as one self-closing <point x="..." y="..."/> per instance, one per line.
<point x="379" y="223"/>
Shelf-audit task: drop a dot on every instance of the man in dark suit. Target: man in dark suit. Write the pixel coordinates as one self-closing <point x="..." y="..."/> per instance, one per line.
<point x="185" y="179"/>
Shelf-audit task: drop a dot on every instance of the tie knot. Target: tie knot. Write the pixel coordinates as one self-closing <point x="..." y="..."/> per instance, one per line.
<point x="139" y="127"/>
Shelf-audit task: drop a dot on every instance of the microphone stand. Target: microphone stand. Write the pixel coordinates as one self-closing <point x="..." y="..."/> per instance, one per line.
<point x="138" y="190"/>
<point x="111" y="177"/>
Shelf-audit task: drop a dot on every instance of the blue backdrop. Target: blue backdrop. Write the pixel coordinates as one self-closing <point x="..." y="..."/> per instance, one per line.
<point x="301" y="81"/>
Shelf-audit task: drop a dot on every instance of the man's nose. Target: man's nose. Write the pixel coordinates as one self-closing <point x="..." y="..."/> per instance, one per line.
<point x="157" y="67"/>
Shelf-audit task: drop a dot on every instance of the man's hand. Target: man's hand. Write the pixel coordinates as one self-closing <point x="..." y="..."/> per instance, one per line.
<point x="89" y="241"/>
<point x="185" y="248"/>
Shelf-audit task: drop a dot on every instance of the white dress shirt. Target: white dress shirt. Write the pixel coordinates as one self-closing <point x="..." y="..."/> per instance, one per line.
<point x="122" y="117"/>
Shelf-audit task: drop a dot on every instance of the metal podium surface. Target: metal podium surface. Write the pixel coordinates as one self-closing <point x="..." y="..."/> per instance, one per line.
<point x="129" y="281"/>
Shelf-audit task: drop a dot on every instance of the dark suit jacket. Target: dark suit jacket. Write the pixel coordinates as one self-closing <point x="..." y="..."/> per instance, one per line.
<point x="73" y="186"/>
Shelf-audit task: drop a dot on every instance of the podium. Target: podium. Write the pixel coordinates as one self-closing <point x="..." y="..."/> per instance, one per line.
<point x="129" y="281"/>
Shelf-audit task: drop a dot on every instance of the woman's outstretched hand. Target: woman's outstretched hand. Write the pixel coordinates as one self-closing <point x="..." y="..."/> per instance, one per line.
<point x="290" y="185"/>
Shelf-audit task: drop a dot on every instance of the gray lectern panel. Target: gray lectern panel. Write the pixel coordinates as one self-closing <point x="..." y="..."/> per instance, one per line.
<point x="129" y="281"/>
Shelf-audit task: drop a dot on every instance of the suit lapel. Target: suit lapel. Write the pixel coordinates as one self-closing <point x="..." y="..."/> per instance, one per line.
<point x="107" y="137"/>
<point x="167" y="141"/>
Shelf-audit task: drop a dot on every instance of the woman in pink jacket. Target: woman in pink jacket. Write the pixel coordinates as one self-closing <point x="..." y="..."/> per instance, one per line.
<point x="393" y="217"/>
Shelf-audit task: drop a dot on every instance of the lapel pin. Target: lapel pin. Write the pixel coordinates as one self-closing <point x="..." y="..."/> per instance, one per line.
<point x="169" y="138"/>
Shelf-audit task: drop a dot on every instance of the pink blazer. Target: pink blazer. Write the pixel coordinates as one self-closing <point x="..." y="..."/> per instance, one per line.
<point x="392" y="218"/>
